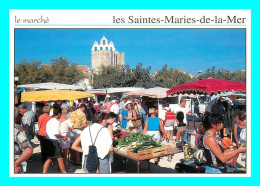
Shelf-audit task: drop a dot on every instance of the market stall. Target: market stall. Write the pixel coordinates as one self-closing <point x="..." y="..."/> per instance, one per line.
<point x="140" y="147"/>
<point x="53" y="95"/>
<point x="207" y="86"/>
<point x="102" y="94"/>
<point x="194" y="161"/>
<point x="156" y="92"/>
<point x="50" y="86"/>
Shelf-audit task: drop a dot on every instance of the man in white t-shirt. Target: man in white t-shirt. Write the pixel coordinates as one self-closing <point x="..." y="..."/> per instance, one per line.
<point x="169" y="129"/>
<point x="53" y="135"/>
<point x="181" y="107"/>
<point x="115" y="108"/>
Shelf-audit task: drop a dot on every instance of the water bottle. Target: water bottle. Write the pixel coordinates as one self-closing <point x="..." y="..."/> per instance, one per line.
<point x="23" y="166"/>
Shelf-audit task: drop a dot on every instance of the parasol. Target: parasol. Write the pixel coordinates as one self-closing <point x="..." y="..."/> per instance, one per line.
<point x="53" y="95"/>
<point x="208" y="86"/>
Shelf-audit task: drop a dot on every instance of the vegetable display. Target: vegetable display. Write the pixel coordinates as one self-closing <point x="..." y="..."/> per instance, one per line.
<point x="138" y="142"/>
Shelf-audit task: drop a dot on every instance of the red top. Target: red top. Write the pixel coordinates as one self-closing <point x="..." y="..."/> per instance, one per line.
<point x="107" y="106"/>
<point x="208" y="86"/>
<point x="43" y="119"/>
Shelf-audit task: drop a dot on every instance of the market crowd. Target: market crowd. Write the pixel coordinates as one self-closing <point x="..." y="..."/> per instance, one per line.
<point x="66" y="131"/>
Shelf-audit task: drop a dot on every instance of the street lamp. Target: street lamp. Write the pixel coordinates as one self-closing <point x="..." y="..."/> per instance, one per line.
<point x="92" y="72"/>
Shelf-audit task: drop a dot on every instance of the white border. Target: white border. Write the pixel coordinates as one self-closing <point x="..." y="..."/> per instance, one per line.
<point x="103" y="19"/>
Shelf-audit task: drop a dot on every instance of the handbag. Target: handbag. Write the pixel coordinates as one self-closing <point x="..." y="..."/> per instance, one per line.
<point x="138" y="122"/>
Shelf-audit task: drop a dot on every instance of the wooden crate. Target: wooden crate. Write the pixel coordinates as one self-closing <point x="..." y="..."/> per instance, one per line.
<point x="118" y="151"/>
<point x="172" y="144"/>
<point x="148" y="154"/>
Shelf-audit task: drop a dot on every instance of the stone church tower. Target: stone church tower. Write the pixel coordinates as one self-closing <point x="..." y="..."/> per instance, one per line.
<point x="105" y="54"/>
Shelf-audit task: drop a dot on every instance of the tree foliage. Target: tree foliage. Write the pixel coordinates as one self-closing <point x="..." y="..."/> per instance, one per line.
<point x="225" y="74"/>
<point x="65" y="73"/>
<point x="59" y="72"/>
<point x="31" y="72"/>
<point x="172" y="77"/>
<point x="139" y="77"/>
<point x="123" y="77"/>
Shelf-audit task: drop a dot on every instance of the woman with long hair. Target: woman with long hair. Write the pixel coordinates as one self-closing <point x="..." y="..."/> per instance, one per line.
<point x="214" y="153"/>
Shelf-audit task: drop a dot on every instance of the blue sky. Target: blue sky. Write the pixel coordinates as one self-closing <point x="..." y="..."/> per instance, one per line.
<point x="192" y="49"/>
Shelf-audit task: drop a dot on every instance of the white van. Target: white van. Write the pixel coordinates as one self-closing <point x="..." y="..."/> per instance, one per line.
<point x="195" y="105"/>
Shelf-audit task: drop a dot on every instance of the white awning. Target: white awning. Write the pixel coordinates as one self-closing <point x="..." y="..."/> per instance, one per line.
<point x="50" y="86"/>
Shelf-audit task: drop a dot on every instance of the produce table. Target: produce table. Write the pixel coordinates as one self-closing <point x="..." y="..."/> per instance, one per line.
<point x="146" y="155"/>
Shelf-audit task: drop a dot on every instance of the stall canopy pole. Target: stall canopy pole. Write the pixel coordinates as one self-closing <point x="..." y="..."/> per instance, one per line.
<point x="191" y="106"/>
<point x="158" y="107"/>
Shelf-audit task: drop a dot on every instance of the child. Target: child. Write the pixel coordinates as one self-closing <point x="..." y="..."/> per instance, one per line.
<point x="239" y="125"/>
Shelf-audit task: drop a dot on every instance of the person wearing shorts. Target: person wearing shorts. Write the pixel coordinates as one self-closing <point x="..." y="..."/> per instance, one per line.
<point x="53" y="135"/>
<point x="22" y="149"/>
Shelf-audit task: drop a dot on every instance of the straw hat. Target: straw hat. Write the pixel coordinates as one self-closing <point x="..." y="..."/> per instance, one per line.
<point x="128" y="102"/>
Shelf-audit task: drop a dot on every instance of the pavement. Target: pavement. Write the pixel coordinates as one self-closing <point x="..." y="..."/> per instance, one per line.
<point x="120" y="165"/>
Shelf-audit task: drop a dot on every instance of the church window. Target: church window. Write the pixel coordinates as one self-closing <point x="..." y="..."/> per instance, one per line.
<point x="104" y="42"/>
<point x="95" y="48"/>
<point x="106" y="48"/>
<point x="101" y="48"/>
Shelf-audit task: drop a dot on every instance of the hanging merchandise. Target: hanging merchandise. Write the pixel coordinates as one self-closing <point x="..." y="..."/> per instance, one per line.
<point x="186" y="137"/>
<point x="189" y="152"/>
<point x="199" y="155"/>
<point x="71" y="102"/>
<point x="199" y="140"/>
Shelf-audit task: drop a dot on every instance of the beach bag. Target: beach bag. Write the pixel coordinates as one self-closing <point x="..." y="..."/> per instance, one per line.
<point x="92" y="157"/>
<point x="169" y="118"/>
<point x="138" y="122"/>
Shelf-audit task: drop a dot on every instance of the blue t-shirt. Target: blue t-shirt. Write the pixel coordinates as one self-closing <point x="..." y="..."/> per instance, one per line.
<point x="124" y="121"/>
<point x="153" y="123"/>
